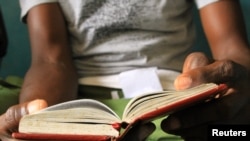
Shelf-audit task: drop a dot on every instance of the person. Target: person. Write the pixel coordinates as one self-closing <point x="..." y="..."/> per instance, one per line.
<point x="79" y="40"/>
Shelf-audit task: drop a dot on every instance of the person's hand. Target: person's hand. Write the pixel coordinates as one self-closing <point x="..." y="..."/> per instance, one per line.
<point x="9" y="120"/>
<point x="140" y="132"/>
<point x="232" y="107"/>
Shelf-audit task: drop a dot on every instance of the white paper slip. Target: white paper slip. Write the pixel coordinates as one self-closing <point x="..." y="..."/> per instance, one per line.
<point x="139" y="81"/>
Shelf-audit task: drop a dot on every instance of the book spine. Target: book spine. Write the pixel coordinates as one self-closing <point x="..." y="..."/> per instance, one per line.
<point x="117" y="126"/>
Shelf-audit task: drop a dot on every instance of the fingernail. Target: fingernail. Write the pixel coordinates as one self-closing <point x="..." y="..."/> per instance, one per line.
<point x="36" y="105"/>
<point x="183" y="82"/>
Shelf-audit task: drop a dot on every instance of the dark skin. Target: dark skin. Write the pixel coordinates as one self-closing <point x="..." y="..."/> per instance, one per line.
<point x="224" y="28"/>
<point x="52" y="62"/>
<point x="230" y="65"/>
<point x="52" y="75"/>
<point x="232" y="107"/>
<point x="10" y="119"/>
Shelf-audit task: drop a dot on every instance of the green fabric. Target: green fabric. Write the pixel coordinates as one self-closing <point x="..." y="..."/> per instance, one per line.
<point x="118" y="106"/>
<point x="9" y="91"/>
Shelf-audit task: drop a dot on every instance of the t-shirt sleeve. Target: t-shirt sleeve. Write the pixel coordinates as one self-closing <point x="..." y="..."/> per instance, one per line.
<point x="26" y="5"/>
<point x="202" y="3"/>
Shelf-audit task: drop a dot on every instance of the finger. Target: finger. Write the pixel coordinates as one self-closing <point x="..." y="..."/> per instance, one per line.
<point x="198" y="133"/>
<point x="13" y="115"/>
<point x="217" y="72"/>
<point x="7" y="137"/>
<point x="195" y="60"/>
<point x="139" y="132"/>
<point x="146" y="130"/>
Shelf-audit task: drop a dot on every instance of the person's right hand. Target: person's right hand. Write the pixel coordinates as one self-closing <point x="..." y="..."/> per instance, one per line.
<point x="231" y="107"/>
<point x="10" y="119"/>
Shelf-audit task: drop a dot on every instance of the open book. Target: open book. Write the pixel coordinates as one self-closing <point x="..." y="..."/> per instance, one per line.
<point x="91" y="120"/>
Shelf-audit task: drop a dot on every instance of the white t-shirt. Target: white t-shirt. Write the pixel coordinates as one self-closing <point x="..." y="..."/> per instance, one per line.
<point x="112" y="36"/>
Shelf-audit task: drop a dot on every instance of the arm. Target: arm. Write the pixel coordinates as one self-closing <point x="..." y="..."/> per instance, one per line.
<point x="224" y="27"/>
<point x="52" y="75"/>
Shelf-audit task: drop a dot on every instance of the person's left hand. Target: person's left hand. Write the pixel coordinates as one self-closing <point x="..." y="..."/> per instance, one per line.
<point x="10" y="119"/>
<point x="232" y="108"/>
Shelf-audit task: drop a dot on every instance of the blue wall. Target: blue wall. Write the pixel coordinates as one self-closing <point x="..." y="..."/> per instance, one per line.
<point x="17" y="60"/>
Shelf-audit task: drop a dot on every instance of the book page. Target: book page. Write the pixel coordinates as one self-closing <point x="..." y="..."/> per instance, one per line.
<point x="166" y="101"/>
<point x="73" y="117"/>
<point x="80" y="103"/>
<point x="43" y="127"/>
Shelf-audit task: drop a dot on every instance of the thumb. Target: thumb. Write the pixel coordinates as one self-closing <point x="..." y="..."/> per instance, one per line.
<point x="223" y="71"/>
<point x="195" y="60"/>
<point x="13" y="115"/>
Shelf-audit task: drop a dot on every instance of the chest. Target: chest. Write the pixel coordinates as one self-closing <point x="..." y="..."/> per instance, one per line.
<point x="125" y="13"/>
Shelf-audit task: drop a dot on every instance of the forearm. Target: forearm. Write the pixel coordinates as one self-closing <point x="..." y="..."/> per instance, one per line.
<point x="238" y="54"/>
<point x="54" y="82"/>
<point x="52" y="75"/>
<point x="225" y="30"/>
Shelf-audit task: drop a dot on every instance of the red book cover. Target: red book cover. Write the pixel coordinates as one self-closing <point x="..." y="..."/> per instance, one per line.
<point x="61" y="137"/>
